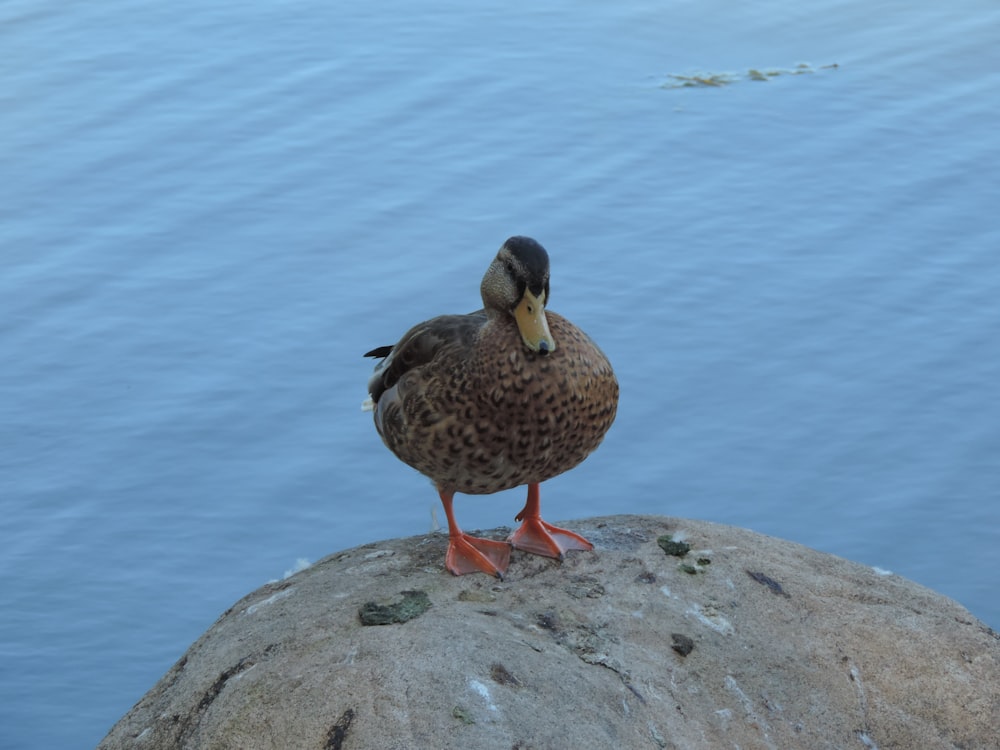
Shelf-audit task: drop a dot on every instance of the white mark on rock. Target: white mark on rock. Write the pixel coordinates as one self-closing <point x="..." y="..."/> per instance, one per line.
<point x="881" y="571"/>
<point x="655" y="734"/>
<point x="239" y="675"/>
<point x="751" y="714"/>
<point x="379" y="553"/>
<point x="666" y="592"/>
<point x="270" y="600"/>
<point x="709" y="617"/>
<point x="855" y="676"/>
<point x="143" y="733"/>
<point x="862" y="700"/>
<point x="301" y="564"/>
<point x="484" y="693"/>
<point x="724" y="717"/>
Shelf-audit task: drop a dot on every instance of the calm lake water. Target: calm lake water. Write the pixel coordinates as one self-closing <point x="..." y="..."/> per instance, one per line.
<point x="208" y="212"/>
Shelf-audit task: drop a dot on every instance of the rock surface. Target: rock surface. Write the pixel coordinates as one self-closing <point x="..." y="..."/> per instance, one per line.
<point x="742" y="641"/>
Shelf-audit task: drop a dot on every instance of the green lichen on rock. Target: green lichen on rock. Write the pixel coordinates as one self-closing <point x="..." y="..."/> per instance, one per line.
<point x="698" y="566"/>
<point x="413" y="604"/>
<point x="668" y="545"/>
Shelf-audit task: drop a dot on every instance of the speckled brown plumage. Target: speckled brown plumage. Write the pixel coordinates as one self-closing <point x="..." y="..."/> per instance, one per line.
<point x="465" y="400"/>
<point x="484" y="414"/>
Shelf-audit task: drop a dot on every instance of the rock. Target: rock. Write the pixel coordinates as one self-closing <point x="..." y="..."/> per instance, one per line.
<point x="744" y="642"/>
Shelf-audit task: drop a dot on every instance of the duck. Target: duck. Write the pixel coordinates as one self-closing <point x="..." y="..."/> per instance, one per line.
<point x="507" y="396"/>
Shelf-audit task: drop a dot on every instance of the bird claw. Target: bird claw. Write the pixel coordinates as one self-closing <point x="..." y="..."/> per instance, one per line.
<point x="470" y="554"/>
<point x="541" y="538"/>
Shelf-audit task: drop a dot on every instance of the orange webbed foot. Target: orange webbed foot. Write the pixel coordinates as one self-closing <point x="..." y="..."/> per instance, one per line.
<point x="541" y="538"/>
<point x="471" y="554"/>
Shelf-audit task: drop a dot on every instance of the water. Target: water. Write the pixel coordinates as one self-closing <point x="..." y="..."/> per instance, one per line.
<point x="209" y="212"/>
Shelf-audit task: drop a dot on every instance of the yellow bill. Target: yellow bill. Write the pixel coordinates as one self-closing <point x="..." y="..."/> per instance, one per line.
<point x="531" y="322"/>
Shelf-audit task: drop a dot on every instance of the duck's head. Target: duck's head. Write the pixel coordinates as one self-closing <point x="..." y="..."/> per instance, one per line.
<point x="517" y="284"/>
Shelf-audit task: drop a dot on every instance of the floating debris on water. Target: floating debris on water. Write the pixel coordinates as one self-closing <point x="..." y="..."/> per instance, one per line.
<point x="714" y="80"/>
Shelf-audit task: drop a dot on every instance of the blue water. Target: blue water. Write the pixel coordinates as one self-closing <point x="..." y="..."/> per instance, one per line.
<point x="209" y="211"/>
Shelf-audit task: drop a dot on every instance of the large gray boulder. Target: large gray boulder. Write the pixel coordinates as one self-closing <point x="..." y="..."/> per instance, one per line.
<point x="742" y="641"/>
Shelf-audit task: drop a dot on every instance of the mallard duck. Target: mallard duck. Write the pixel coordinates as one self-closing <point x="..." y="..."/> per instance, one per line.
<point x="509" y="395"/>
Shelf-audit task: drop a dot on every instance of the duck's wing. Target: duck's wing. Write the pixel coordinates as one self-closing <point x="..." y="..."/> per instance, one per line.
<point x="421" y="345"/>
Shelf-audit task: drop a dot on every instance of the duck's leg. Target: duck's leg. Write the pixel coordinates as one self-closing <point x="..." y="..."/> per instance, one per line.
<point x="470" y="554"/>
<point x="541" y="538"/>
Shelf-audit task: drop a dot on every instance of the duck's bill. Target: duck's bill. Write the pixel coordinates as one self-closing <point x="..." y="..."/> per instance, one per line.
<point x="531" y="322"/>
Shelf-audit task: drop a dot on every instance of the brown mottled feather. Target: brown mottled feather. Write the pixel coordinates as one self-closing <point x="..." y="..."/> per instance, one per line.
<point x="463" y="401"/>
